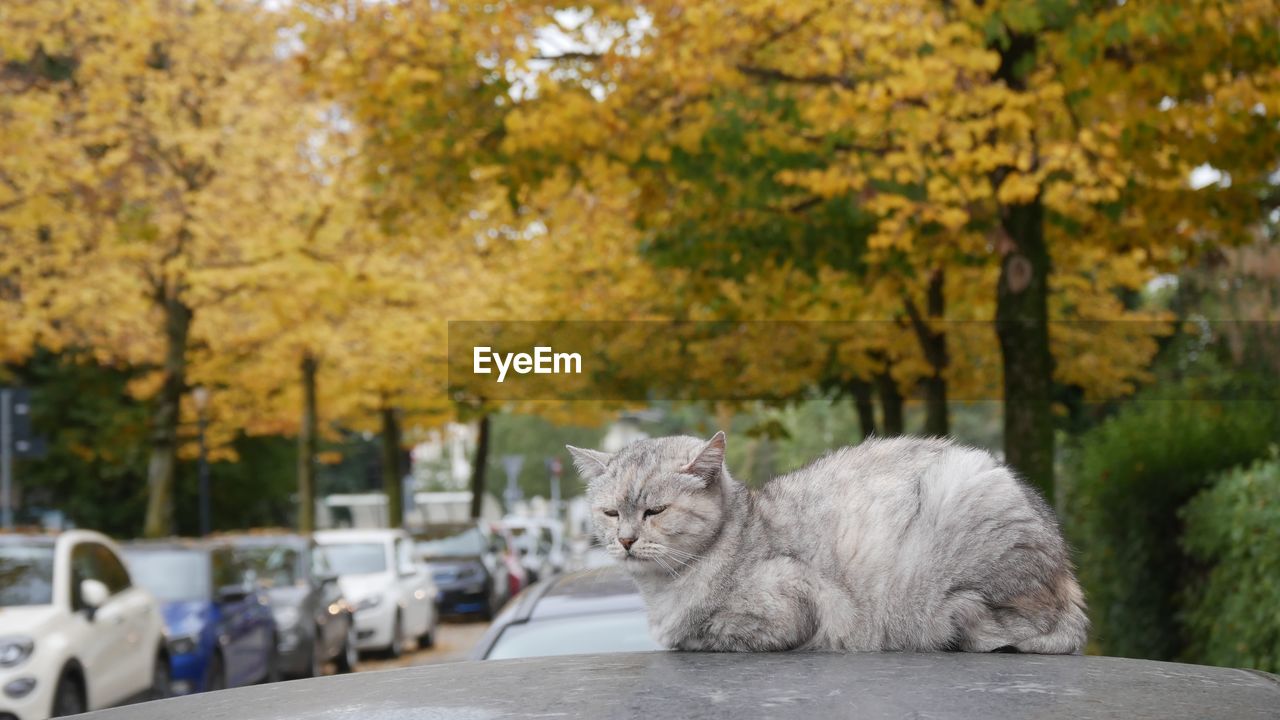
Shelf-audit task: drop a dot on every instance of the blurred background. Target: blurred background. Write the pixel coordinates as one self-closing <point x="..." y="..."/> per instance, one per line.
<point x="233" y="234"/>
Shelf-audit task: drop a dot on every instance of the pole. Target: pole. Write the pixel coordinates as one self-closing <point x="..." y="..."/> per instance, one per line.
<point x="512" y="464"/>
<point x="206" y="524"/>
<point x="554" y="466"/>
<point x="6" y="457"/>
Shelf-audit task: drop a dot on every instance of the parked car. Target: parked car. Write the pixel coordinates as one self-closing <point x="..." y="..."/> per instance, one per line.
<point x="76" y="634"/>
<point x="314" y="622"/>
<point x="221" y="632"/>
<point x="393" y="594"/>
<point x="591" y="611"/>
<point x="470" y="577"/>
<point x="540" y="543"/>
<point x="678" y="685"/>
<point x="502" y="545"/>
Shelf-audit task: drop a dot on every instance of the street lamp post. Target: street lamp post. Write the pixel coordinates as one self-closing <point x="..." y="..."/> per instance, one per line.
<point x="554" y="468"/>
<point x="201" y="396"/>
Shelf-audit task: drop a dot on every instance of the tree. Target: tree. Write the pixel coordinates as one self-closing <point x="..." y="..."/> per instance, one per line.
<point x="967" y="131"/>
<point x="160" y="162"/>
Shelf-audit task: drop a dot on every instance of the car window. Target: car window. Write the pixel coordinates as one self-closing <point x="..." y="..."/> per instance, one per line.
<point x="600" y="633"/>
<point x="467" y="543"/>
<point x="111" y="571"/>
<point x="404" y="556"/>
<point x="357" y="558"/>
<point x="273" y="566"/>
<point x="228" y="571"/>
<point x="84" y="566"/>
<point x="26" y="574"/>
<point x="171" y="574"/>
<point x="320" y="566"/>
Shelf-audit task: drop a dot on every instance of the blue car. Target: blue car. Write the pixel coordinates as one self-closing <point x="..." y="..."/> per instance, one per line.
<point x="219" y="626"/>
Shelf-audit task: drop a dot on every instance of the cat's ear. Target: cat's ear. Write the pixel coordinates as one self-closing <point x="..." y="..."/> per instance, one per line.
<point x="709" y="460"/>
<point x="590" y="463"/>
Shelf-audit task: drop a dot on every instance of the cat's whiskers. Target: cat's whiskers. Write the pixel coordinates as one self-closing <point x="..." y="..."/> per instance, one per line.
<point x="681" y="553"/>
<point x="663" y="565"/>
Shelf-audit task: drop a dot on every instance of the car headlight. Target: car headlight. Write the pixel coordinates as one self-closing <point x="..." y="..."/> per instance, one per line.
<point x="15" y="649"/>
<point x="372" y="601"/>
<point x="286" y="617"/>
<point x="183" y="645"/>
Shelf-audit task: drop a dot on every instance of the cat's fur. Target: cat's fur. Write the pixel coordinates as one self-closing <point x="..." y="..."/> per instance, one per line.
<point x="900" y="544"/>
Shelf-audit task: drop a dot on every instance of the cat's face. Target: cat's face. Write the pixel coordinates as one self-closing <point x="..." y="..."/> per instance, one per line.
<point x="656" y="504"/>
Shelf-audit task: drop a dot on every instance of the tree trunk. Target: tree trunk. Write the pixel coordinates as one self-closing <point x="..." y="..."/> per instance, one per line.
<point x="1022" y="310"/>
<point x="164" y="420"/>
<point x="933" y="343"/>
<point x="863" y="403"/>
<point x="307" y="432"/>
<point x="1022" y="324"/>
<point x="890" y="403"/>
<point x="479" y="467"/>
<point x="392" y="482"/>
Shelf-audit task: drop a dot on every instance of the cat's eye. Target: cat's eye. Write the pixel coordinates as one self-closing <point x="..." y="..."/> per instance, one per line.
<point x="654" y="510"/>
<point x="611" y="513"/>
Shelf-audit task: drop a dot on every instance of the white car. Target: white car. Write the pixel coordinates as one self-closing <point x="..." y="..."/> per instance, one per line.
<point x="75" y="633"/>
<point x="541" y="545"/>
<point x="394" y="596"/>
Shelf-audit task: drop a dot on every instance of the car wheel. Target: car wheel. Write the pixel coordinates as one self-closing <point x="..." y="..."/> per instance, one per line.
<point x="315" y="662"/>
<point x="396" y="648"/>
<point x="160" y="681"/>
<point x="68" y="696"/>
<point x="350" y="655"/>
<point x="318" y="657"/>
<point x="428" y="638"/>
<point x="215" y="675"/>
<point x="273" y="662"/>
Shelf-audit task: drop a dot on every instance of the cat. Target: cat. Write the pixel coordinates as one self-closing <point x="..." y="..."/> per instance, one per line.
<point x="902" y="544"/>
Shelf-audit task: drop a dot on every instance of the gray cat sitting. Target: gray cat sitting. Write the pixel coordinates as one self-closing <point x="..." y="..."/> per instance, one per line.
<point x="902" y="544"/>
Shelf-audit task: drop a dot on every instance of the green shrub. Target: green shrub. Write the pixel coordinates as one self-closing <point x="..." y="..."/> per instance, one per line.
<point x="1231" y="616"/>
<point x="1125" y="484"/>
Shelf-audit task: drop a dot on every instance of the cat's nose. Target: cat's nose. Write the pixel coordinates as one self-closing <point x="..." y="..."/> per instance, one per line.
<point x="626" y="542"/>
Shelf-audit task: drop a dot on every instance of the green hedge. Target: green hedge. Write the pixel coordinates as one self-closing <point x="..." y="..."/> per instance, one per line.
<point x="1126" y="482"/>
<point x="1231" y="612"/>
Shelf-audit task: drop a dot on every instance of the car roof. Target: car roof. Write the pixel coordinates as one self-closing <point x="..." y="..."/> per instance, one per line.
<point x="605" y="589"/>
<point x="171" y="544"/>
<point x="28" y="539"/>
<point x="598" y="591"/>
<point x="40" y="536"/>
<point x="265" y="539"/>
<point x="868" y="686"/>
<point x="358" y="535"/>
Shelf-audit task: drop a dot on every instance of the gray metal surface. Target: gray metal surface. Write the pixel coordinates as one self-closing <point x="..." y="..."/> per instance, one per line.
<point x="793" y="685"/>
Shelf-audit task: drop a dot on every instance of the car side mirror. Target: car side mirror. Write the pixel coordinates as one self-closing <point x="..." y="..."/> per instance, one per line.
<point x="93" y="594"/>
<point x="326" y="579"/>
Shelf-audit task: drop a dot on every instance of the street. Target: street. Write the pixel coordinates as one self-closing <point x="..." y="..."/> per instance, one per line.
<point x="454" y="641"/>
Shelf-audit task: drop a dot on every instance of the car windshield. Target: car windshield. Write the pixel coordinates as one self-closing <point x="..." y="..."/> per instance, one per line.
<point x="357" y="558"/>
<point x="532" y="539"/>
<point x="271" y="565"/>
<point x="602" y="633"/>
<point x="171" y="575"/>
<point x="26" y="575"/>
<point x="468" y="543"/>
